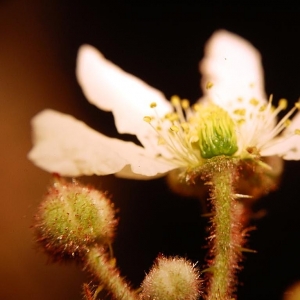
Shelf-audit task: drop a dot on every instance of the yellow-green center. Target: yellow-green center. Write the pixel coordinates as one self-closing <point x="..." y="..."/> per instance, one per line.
<point x="194" y="133"/>
<point x="216" y="132"/>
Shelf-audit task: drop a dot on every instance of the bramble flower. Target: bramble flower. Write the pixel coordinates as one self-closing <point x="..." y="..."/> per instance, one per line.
<point x="233" y="118"/>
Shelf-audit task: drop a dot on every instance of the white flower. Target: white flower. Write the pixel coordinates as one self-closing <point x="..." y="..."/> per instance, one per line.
<point x="173" y="135"/>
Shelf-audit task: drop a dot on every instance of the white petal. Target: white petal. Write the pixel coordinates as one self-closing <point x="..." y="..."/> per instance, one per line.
<point x="295" y="124"/>
<point x="69" y="147"/>
<point x="110" y="88"/>
<point x="293" y="151"/>
<point x="287" y="145"/>
<point x="234" y="68"/>
<point x="288" y="149"/>
<point x="292" y="144"/>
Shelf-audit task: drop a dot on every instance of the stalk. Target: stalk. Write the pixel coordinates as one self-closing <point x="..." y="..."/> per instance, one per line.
<point x="227" y="238"/>
<point x="109" y="277"/>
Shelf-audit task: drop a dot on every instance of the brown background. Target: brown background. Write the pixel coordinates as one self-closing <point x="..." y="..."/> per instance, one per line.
<point x="162" y="44"/>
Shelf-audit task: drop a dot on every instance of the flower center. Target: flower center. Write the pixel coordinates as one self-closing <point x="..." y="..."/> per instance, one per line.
<point x="217" y="134"/>
<point x="192" y="134"/>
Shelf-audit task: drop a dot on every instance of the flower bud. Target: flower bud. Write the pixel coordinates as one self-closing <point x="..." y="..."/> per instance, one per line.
<point x="171" y="278"/>
<point x="73" y="218"/>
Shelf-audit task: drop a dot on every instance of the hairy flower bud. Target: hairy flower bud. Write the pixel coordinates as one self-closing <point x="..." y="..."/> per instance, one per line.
<point x="72" y="218"/>
<point x="171" y="278"/>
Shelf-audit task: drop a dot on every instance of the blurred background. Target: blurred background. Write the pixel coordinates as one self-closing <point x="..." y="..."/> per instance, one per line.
<point x="161" y="44"/>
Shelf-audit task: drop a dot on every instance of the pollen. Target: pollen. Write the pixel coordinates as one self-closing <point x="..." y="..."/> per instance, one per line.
<point x="147" y="119"/>
<point x="185" y="127"/>
<point x="240" y="112"/>
<point x="185" y="103"/>
<point x="175" y="100"/>
<point x="254" y="101"/>
<point x="174" y="128"/>
<point x="262" y="108"/>
<point x="209" y="85"/>
<point x="283" y="103"/>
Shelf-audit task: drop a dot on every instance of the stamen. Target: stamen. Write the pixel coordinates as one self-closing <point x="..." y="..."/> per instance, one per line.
<point x="174" y="128"/>
<point x="240" y="112"/>
<point x="262" y="108"/>
<point x="185" y="127"/>
<point x="254" y="101"/>
<point x="281" y="124"/>
<point x="283" y="103"/>
<point x="161" y="141"/>
<point x="254" y="126"/>
<point x="196" y="107"/>
<point x="175" y="100"/>
<point x="185" y="103"/>
<point x="187" y="108"/>
<point x="209" y="85"/>
<point x="176" y="132"/>
<point x="265" y="130"/>
<point x="172" y="117"/>
<point x="147" y="119"/>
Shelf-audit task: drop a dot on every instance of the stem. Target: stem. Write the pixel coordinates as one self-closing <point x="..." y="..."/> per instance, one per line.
<point x="102" y="267"/>
<point x="227" y="229"/>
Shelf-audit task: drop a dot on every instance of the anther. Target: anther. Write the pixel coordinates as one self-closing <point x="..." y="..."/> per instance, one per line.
<point x="283" y="103"/>
<point x="175" y="100"/>
<point x="254" y="101"/>
<point x="240" y="112"/>
<point x="241" y="121"/>
<point x="172" y="117"/>
<point x="161" y="141"/>
<point x="209" y="85"/>
<point x="262" y="108"/>
<point x="196" y="107"/>
<point x="174" y="128"/>
<point x="147" y="119"/>
<point x="185" y="103"/>
<point x="185" y="126"/>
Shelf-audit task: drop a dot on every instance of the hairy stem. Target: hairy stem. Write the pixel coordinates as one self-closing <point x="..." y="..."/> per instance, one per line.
<point x="226" y="231"/>
<point x="103" y="268"/>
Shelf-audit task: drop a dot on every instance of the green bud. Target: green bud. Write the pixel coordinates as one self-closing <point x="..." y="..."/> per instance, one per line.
<point x="72" y="218"/>
<point x="171" y="278"/>
<point x="217" y="132"/>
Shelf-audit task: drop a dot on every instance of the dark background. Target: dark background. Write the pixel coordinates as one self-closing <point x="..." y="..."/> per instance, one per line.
<point x="162" y="44"/>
